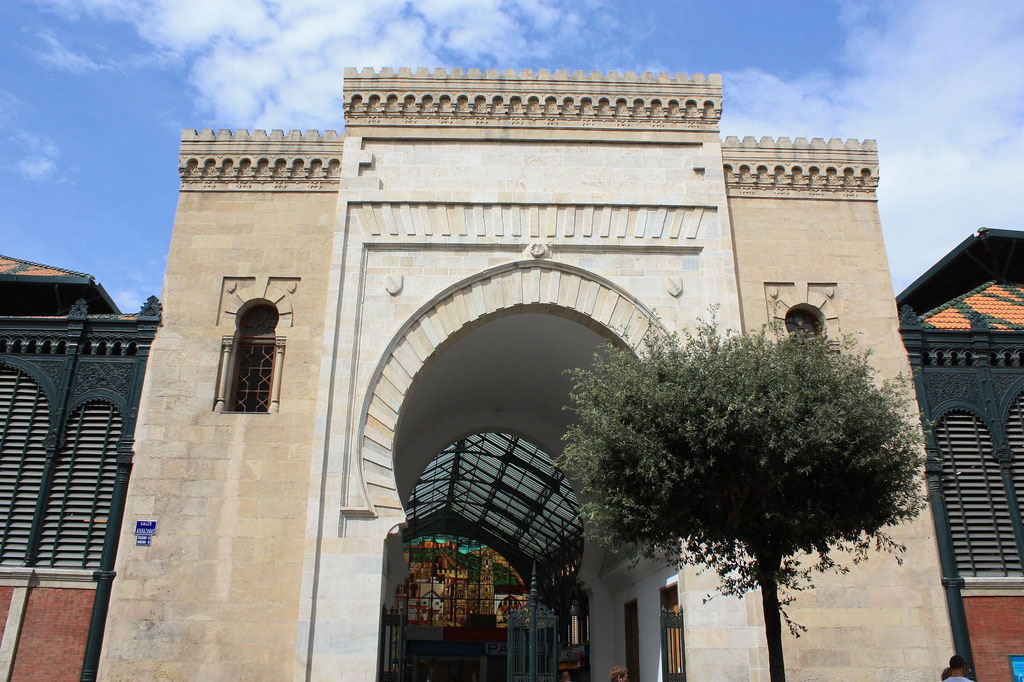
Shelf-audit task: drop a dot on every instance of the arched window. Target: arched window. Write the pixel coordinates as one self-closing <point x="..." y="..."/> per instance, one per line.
<point x="804" y="318"/>
<point x="976" y="504"/>
<point x="254" y="374"/>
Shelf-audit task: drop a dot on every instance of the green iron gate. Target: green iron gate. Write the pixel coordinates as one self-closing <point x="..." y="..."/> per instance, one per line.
<point x="532" y="641"/>
<point x="673" y="660"/>
<point x="391" y="649"/>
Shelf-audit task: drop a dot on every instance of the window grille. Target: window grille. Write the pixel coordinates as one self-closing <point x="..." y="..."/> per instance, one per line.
<point x="25" y="419"/>
<point x="254" y="379"/>
<point x="979" y="517"/>
<point x="79" y="500"/>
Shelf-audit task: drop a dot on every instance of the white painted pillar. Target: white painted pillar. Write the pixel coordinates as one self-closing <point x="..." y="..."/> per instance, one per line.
<point x="12" y="632"/>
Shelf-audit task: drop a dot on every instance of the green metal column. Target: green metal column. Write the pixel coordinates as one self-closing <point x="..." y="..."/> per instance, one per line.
<point x="104" y="577"/>
<point x="912" y="333"/>
<point x="149" y="318"/>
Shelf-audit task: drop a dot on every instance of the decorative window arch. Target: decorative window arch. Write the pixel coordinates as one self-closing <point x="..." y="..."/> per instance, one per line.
<point x="979" y="517"/>
<point x="249" y="379"/>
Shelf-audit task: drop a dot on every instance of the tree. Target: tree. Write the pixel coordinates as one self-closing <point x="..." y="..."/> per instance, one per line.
<point x="760" y="456"/>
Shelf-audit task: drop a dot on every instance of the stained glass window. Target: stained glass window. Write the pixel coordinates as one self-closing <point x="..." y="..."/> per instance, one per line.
<point x="457" y="582"/>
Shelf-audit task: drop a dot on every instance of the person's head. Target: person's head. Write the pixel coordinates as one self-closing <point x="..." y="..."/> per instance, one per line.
<point x="957" y="665"/>
<point x="619" y="674"/>
<point x="566" y="676"/>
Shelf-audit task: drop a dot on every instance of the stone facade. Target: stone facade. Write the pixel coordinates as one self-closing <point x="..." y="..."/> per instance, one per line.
<point x="577" y="206"/>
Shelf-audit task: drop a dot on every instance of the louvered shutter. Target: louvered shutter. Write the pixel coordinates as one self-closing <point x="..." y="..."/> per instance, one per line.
<point x="1015" y="436"/>
<point x="24" y="422"/>
<point x="83" y="482"/>
<point x="979" y="519"/>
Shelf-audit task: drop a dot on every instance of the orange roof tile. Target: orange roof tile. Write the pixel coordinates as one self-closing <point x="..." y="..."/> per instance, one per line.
<point x="1000" y="306"/>
<point x="17" y="266"/>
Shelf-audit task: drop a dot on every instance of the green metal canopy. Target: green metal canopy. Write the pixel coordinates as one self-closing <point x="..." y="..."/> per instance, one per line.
<point x="501" y="490"/>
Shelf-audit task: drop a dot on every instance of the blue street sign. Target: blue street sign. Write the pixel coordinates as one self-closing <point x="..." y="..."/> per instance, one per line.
<point x="145" y="527"/>
<point x="143" y="540"/>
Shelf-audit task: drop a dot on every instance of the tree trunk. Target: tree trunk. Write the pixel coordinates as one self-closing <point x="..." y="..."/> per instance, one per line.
<point x="772" y="618"/>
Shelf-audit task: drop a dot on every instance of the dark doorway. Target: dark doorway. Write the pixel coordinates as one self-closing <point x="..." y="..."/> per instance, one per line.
<point x="632" y="641"/>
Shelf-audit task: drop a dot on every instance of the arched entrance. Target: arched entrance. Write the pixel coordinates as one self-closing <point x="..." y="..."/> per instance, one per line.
<point x="477" y="372"/>
<point x="487" y="513"/>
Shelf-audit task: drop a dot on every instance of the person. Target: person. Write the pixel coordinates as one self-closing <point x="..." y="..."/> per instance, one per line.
<point x="957" y="669"/>
<point x="946" y="673"/>
<point x="566" y="676"/>
<point x="619" y="674"/>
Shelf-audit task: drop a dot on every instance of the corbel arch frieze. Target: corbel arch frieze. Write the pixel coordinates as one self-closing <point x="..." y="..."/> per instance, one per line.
<point x="533" y="285"/>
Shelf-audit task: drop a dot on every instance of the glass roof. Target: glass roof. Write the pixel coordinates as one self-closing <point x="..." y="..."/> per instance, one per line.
<point x="499" y="489"/>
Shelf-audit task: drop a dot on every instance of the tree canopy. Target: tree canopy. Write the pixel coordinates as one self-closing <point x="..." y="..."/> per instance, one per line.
<point x="756" y="455"/>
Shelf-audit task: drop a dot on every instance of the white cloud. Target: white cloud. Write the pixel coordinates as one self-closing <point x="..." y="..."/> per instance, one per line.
<point x="38" y="168"/>
<point x="36" y="143"/>
<point x="941" y="86"/>
<point x="38" y="156"/>
<point x="271" y="63"/>
<point x="57" y="54"/>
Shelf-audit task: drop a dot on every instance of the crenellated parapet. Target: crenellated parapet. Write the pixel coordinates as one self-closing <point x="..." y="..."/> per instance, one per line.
<point x="260" y="161"/>
<point x="528" y="99"/>
<point x="800" y="168"/>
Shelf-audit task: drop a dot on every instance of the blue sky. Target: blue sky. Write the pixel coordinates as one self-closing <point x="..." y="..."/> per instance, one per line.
<point x="94" y="94"/>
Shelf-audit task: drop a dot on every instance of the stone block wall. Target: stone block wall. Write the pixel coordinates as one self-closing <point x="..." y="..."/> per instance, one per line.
<point x="216" y="595"/>
<point x="806" y="237"/>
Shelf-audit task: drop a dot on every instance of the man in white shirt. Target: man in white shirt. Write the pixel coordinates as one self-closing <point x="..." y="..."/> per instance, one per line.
<point x="957" y="669"/>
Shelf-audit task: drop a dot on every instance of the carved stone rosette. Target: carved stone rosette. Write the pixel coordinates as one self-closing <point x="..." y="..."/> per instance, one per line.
<point x="813" y="169"/>
<point x="526" y="99"/>
<point x="258" y="161"/>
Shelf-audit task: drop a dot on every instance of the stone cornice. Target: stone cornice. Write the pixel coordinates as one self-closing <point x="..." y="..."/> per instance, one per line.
<point x="45" y="574"/>
<point x="528" y="99"/>
<point x="800" y="168"/>
<point x="260" y="161"/>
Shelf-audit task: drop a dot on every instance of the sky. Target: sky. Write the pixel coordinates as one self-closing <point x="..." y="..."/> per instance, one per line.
<point x="94" y="95"/>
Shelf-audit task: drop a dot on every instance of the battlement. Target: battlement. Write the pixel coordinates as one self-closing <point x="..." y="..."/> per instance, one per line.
<point x="224" y="134"/>
<point x="833" y="143"/>
<point x="229" y="160"/>
<point x="528" y="99"/>
<point x="810" y="168"/>
<point x="531" y="75"/>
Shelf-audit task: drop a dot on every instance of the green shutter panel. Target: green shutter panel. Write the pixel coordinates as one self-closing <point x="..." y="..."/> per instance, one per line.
<point x="1015" y="436"/>
<point x="79" y="501"/>
<point x="979" y="518"/>
<point x="24" y="423"/>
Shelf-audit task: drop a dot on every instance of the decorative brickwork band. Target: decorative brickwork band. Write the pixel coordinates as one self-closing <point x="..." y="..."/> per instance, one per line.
<point x="258" y="161"/>
<point x="532" y="100"/>
<point x="815" y="169"/>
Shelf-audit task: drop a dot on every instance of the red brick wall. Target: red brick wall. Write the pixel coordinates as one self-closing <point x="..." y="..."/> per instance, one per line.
<point x="996" y="625"/>
<point x="5" y="604"/>
<point x="53" y="635"/>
